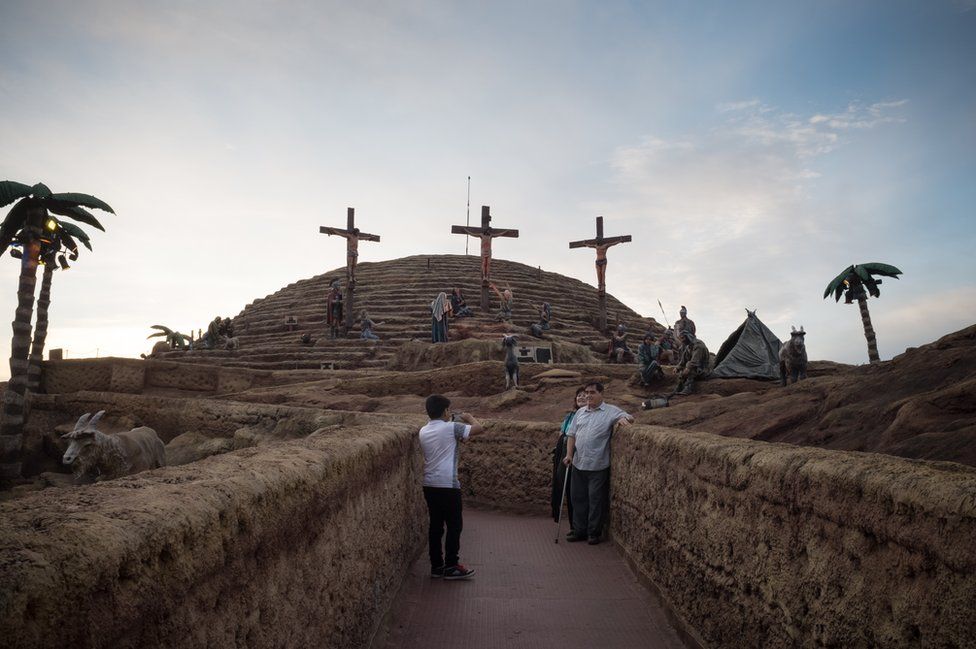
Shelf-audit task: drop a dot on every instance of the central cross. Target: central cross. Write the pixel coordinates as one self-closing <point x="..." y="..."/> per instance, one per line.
<point x="601" y="244"/>
<point x="352" y="235"/>
<point x="486" y="233"/>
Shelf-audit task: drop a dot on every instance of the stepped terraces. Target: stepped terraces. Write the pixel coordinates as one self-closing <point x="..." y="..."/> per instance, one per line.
<point x="398" y="293"/>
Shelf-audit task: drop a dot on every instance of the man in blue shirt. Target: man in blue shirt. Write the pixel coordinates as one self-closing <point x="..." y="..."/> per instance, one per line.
<point x="589" y="439"/>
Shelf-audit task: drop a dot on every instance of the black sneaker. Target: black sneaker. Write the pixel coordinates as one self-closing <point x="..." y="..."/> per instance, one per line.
<point x="437" y="573"/>
<point x="457" y="572"/>
<point x="572" y="537"/>
<point x="593" y="540"/>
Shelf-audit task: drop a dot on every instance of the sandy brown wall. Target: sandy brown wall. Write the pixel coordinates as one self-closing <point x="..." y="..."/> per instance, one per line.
<point x="510" y="466"/>
<point x="134" y="375"/>
<point x="769" y="545"/>
<point x="302" y="543"/>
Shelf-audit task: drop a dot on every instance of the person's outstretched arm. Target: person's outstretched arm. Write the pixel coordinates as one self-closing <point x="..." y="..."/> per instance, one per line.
<point x="476" y="426"/>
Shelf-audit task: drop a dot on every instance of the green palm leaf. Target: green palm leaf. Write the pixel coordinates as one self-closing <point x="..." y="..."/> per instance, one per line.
<point x="158" y="333"/>
<point x="11" y="191"/>
<point x="83" y="199"/>
<point x="876" y="268"/>
<point x="40" y="190"/>
<point x="165" y="330"/>
<point x="70" y="244"/>
<point x="75" y="232"/>
<point x="837" y="285"/>
<point x="74" y="212"/>
<point x="13" y="224"/>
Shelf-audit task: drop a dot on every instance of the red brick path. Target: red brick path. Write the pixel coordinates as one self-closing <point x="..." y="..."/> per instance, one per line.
<point x="528" y="593"/>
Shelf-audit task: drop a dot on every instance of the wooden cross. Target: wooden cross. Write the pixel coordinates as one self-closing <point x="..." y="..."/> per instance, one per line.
<point x="486" y="233"/>
<point x="601" y="244"/>
<point x="352" y="235"/>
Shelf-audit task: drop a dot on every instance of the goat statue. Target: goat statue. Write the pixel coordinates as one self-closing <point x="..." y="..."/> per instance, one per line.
<point x="509" y="343"/>
<point x="93" y="453"/>
<point x="793" y="357"/>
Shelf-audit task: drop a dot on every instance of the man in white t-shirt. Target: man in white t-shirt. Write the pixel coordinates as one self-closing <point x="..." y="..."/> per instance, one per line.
<point x="442" y="491"/>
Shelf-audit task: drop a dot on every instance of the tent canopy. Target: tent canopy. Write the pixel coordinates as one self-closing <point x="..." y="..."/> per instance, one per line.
<point x="751" y="352"/>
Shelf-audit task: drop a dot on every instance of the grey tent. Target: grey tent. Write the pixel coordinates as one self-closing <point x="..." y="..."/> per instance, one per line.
<point x="751" y="352"/>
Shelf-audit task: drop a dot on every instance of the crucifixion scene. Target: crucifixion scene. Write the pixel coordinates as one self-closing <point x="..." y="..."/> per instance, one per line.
<point x="601" y="244"/>
<point x="219" y="429"/>
<point x="485" y="234"/>
<point x="352" y="235"/>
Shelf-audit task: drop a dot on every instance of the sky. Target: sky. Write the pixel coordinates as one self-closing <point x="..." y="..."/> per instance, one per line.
<point x="753" y="150"/>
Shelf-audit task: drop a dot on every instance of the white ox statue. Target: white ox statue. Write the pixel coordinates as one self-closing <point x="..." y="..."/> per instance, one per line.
<point x="92" y="452"/>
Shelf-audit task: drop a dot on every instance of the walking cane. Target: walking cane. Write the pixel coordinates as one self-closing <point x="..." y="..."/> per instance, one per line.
<point x="562" y="501"/>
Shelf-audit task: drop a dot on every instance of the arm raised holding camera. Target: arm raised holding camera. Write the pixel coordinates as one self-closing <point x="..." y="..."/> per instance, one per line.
<point x="476" y="426"/>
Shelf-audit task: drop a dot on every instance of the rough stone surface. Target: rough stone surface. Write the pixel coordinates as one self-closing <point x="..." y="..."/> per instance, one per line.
<point x="771" y="545"/>
<point x="417" y="355"/>
<point x="299" y="544"/>
<point x="192" y="446"/>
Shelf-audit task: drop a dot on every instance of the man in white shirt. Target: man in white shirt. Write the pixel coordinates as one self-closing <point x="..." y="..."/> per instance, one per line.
<point x="442" y="491"/>
<point x="589" y="438"/>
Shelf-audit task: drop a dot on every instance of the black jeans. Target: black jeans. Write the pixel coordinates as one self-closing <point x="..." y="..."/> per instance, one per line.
<point x="444" y="505"/>
<point x="589" y="490"/>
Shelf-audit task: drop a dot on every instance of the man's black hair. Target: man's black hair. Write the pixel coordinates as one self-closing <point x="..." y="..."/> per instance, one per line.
<point x="436" y="405"/>
<point x="595" y="384"/>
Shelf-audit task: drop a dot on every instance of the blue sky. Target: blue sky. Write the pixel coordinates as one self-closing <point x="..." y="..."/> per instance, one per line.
<point x="753" y="150"/>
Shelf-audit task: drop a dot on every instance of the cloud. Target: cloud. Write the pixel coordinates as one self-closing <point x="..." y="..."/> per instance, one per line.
<point x="733" y="218"/>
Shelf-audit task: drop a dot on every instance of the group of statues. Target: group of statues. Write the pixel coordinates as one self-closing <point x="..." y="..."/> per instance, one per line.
<point x="444" y="307"/>
<point x="678" y="346"/>
<point x="219" y="335"/>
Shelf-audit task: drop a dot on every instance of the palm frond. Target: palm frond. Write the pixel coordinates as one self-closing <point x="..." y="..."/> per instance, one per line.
<point x="862" y="272"/>
<point x="165" y="330"/>
<point x="836" y="286"/>
<point x="75" y="232"/>
<point x="872" y="285"/>
<point x="62" y="208"/>
<point x="158" y="333"/>
<point x="40" y="190"/>
<point x="68" y="241"/>
<point x="876" y="268"/>
<point x="14" y="223"/>
<point x="83" y="199"/>
<point x="11" y="191"/>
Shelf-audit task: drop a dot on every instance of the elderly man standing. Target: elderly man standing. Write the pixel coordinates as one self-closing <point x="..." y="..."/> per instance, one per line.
<point x="589" y="438"/>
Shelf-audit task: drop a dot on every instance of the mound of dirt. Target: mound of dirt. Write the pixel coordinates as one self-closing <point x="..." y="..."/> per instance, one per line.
<point x="921" y="404"/>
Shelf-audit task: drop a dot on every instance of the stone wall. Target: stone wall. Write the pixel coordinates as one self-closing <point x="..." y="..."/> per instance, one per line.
<point x="510" y="466"/>
<point x="134" y="376"/>
<point x="302" y="543"/>
<point x="769" y="545"/>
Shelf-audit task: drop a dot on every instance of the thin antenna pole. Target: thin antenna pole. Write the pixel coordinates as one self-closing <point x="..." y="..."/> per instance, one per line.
<point x="468" y="219"/>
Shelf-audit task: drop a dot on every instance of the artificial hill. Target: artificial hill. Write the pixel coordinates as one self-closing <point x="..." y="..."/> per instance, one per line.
<point x="398" y="293"/>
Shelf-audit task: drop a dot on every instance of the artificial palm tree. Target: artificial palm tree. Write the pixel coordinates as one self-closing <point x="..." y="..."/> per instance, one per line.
<point x="174" y="339"/>
<point x="54" y="254"/>
<point x="855" y="283"/>
<point x="29" y="225"/>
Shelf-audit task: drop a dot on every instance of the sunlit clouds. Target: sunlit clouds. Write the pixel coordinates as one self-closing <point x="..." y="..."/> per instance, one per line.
<point x="751" y="150"/>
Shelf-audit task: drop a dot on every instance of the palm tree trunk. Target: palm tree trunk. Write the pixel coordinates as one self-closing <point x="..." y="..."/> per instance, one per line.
<point x="12" y="428"/>
<point x="869" y="331"/>
<point x="40" y="330"/>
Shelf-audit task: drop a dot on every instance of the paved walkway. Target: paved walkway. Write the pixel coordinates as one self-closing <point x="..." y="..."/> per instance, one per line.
<point x="528" y="592"/>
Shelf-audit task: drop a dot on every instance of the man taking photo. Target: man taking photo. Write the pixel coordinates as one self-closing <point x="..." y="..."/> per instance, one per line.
<point x="442" y="491"/>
